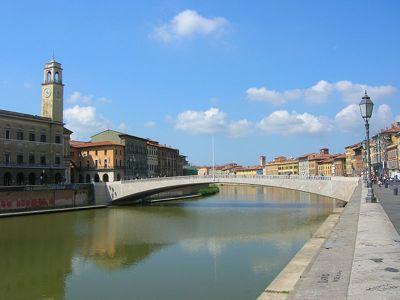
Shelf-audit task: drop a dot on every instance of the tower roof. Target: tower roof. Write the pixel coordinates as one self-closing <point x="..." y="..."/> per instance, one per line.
<point x="52" y="64"/>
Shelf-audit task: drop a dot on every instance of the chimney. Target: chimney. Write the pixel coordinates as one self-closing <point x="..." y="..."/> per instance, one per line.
<point x="324" y="151"/>
<point x="262" y="160"/>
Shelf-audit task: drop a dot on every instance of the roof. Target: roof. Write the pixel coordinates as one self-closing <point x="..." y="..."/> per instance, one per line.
<point x="26" y="116"/>
<point x="79" y="144"/>
<point x="280" y="162"/>
<point x="340" y="156"/>
<point x="355" y="145"/>
<point x="306" y="155"/>
<point x="120" y="134"/>
<point x="250" y="168"/>
<point x="320" y="156"/>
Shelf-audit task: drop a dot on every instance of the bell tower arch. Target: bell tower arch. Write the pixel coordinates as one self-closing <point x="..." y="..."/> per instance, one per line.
<point x="52" y="91"/>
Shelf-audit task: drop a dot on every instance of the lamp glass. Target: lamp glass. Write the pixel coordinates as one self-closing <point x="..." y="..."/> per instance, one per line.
<point x="366" y="107"/>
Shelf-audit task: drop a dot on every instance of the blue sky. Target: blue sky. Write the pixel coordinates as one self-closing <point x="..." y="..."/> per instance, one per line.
<point x="263" y="77"/>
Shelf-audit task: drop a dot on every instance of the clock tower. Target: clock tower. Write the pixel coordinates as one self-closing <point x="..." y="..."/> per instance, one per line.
<point x="52" y="91"/>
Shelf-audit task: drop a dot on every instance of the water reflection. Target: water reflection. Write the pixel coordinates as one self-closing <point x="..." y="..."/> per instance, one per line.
<point x="228" y="246"/>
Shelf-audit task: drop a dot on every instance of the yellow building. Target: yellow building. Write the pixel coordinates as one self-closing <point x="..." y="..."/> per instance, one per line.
<point x="249" y="171"/>
<point x="354" y="160"/>
<point x="282" y="166"/>
<point x="325" y="167"/>
<point x="35" y="149"/>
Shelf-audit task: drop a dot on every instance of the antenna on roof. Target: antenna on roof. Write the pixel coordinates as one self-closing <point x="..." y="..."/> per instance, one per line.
<point x="53" y="54"/>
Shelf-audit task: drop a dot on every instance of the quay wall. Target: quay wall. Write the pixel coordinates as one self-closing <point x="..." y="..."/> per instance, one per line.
<point x="45" y="197"/>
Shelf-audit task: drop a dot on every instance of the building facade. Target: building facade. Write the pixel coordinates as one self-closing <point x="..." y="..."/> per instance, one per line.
<point x="152" y="159"/>
<point x="135" y="151"/>
<point x="35" y="149"/>
<point x="354" y="160"/>
<point x="249" y="171"/>
<point x="168" y="161"/>
<point x="97" y="161"/>
<point x="282" y="166"/>
<point x="339" y="165"/>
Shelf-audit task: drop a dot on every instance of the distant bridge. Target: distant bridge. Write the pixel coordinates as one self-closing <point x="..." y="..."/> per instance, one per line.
<point x="120" y="191"/>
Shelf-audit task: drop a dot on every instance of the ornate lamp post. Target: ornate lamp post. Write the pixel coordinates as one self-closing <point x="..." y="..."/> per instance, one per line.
<point x="366" y="107"/>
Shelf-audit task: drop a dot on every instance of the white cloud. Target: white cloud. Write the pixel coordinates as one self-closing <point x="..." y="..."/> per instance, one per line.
<point x="320" y="92"/>
<point x="285" y="123"/>
<point x="78" y="97"/>
<point x="240" y="128"/>
<point x="123" y="127"/>
<point x="84" y="121"/>
<point x="189" y="23"/>
<point x="349" y="118"/>
<point x="27" y="85"/>
<point x="202" y="122"/>
<point x="150" y="124"/>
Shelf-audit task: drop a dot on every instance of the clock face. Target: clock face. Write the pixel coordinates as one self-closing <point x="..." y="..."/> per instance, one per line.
<point x="47" y="92"/>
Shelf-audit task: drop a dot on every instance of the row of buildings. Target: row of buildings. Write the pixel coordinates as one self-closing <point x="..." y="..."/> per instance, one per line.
<point x="385" y="160"/>
<point x="312" y="164"/>
<point x="38" y="150"/>
<point x="384" y="149"/>
<point x="113" y="155"/>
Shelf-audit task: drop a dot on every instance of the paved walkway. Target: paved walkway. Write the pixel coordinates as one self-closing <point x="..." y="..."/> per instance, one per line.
<point x="361" y="257"/>
<point x="390" y="203"/>
<point x="376" y="267"/>
<point x="328" y="275"/>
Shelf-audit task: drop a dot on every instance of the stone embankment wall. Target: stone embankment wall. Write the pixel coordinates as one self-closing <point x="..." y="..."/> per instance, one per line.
<point x="32" y="198"/>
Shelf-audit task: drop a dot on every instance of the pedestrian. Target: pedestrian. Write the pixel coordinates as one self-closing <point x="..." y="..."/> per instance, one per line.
<point x="395" y="185"/>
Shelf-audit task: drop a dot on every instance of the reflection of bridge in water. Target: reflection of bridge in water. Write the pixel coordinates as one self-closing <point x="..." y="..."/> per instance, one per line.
<point x="119" y="192"/>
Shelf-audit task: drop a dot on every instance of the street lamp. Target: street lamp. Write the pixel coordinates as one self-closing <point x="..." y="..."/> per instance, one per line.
<point x="366" y="107"/>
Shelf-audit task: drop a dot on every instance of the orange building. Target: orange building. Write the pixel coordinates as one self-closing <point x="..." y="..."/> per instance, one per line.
<point x="96" y="161"/>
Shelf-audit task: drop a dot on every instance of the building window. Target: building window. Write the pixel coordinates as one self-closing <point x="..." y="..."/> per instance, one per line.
<point x="48" y="79"/>
<point x="58" y="160"/>
<point x="20" y="159"/>
<point x="105" y="152"/>
<point x="105" y="163"/>
<point x="96" y="163"/>
<point x="56" y="77"/>
<point x="8" y="134"/>
<point x="20" y="135"/>
<point x="31" y="136"/>
<point x="43" y="160"/>
<point x="58" y="139"/>
<point x="43" y="138"/>
<point x="7" y="158"/>
<point x="95" y="152"/>
<point x="31" y="158"/>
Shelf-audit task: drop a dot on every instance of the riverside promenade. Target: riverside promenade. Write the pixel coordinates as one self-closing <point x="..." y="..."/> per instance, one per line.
<point x="358" y="259"/>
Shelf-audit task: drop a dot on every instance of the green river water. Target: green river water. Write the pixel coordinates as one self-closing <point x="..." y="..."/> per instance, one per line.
<point x="227" y="246"/>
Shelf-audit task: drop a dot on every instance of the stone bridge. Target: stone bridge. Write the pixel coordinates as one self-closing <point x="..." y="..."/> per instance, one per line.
<point x="119" y="192"/>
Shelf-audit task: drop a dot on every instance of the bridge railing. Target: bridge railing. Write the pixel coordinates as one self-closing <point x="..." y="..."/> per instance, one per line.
<point x="228" y="176"/>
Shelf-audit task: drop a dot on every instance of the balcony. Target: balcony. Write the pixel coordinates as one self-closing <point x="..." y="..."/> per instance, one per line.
<point x="100" y="168"/>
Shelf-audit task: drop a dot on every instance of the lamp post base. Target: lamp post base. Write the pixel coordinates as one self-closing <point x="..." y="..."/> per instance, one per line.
<point x="370" y="196"/>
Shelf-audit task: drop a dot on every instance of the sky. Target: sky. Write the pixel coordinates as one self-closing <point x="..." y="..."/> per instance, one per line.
<point x="263" y="77"/>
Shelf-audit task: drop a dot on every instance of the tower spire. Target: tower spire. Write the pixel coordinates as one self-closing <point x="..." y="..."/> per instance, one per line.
<point x="53" y="55"/>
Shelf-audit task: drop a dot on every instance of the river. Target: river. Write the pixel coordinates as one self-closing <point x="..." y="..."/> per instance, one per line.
<point x="227" y="246"/>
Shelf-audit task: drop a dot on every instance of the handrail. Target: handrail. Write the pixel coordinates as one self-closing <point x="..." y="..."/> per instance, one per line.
<point x="229" y="176"/>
